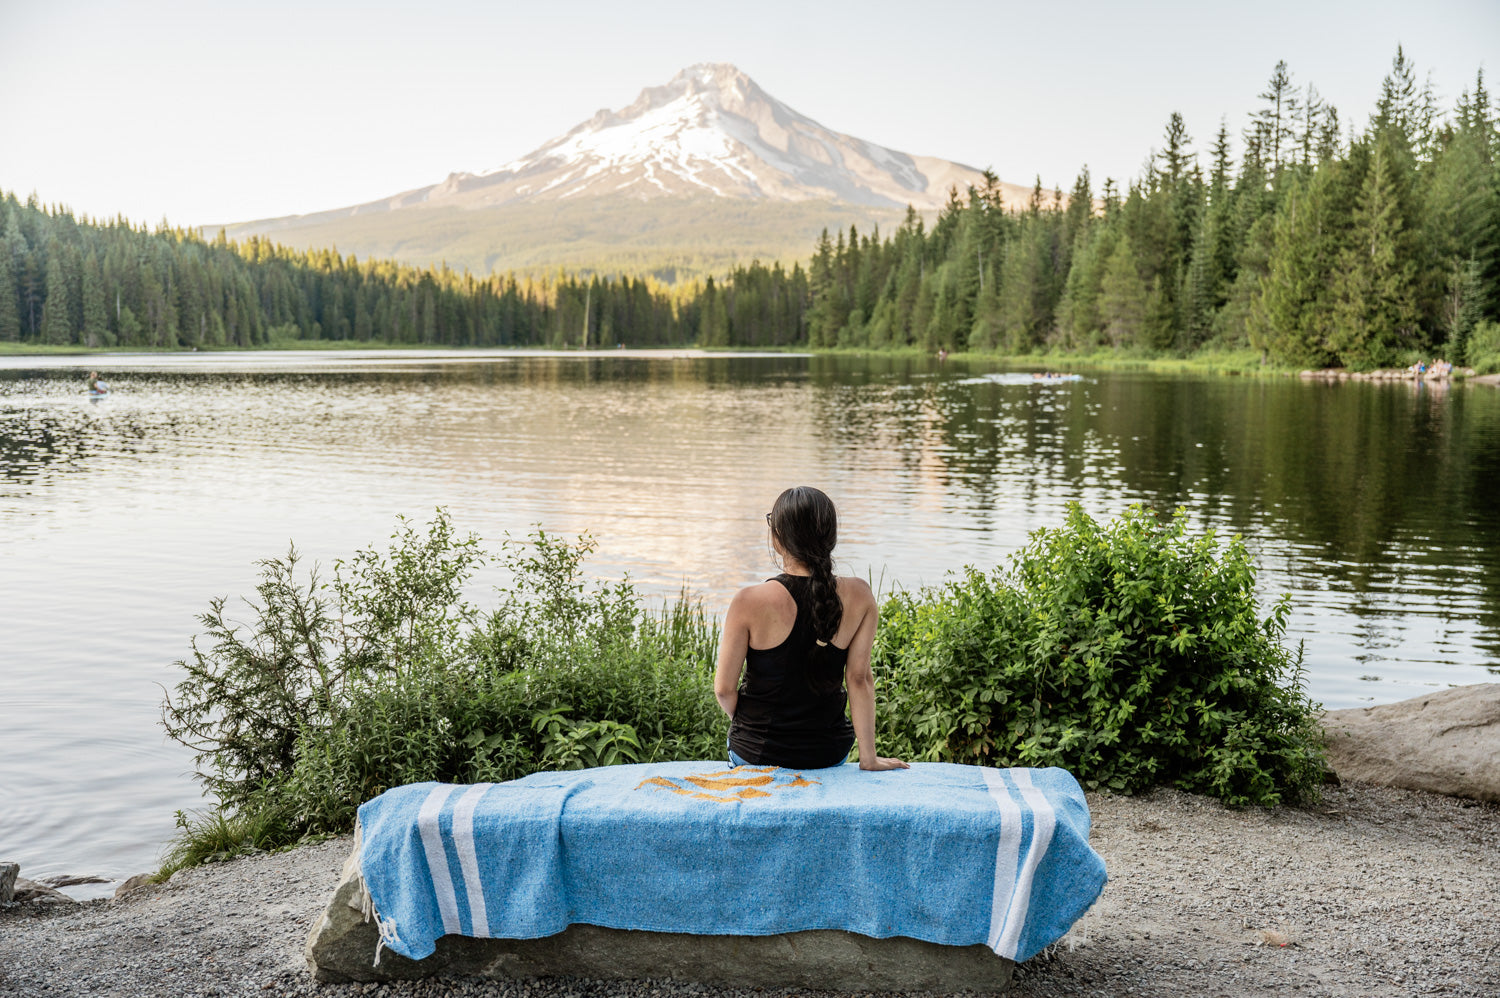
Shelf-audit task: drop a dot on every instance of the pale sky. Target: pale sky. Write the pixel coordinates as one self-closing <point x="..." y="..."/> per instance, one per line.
<point x="204" y="111"/>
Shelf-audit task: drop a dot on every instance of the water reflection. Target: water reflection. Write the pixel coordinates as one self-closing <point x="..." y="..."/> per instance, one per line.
<point x="1372" y="504"/>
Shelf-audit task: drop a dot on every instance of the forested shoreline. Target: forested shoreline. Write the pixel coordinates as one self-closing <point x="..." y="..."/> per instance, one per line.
<point x="1312" y="249"/>
<point x="1316" y="247"/>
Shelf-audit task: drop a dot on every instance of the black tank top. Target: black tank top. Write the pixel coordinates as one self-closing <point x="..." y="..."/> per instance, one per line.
<point x="792" y="708"/>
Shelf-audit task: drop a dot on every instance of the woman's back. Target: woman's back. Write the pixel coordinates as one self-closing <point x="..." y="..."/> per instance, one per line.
<point x="792" y="701"/>
<point x="802" y="642"/>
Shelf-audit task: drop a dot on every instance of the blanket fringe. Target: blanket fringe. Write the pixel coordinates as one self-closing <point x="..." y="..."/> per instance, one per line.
<point x="387" y="936"/>
<point x="387" y="926"/>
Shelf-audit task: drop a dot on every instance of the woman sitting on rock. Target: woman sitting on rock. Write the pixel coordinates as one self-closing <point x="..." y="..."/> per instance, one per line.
<point x="800" y="638"/>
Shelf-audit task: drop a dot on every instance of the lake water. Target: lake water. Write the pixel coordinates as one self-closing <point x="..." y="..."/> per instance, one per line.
<point x="1374" y="505"/>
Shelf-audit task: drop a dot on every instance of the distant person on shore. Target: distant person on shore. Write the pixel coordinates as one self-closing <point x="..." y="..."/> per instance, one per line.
<point x="97" y="387"/>
<point x="800" y="639"/>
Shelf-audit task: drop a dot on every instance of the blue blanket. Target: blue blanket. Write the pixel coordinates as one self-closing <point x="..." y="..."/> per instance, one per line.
<point x="949" y="854"/>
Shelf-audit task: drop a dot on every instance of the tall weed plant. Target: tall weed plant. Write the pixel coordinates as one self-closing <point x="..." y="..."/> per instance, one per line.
<point x="1130" y="654"/>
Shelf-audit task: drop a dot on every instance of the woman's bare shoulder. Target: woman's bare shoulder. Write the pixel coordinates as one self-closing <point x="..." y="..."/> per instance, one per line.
<point x="768" y="593"/>
<point x="853" y="589"/>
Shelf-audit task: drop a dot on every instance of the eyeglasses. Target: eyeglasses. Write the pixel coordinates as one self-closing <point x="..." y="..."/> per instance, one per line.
<point x="768" y="519"/>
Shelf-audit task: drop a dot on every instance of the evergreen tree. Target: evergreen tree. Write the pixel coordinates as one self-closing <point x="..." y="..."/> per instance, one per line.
<point x="1078" y="216"/>
<point x="131" y="330"/>
<point x="429" y="325"/>
<point x="1457" y="238"/>
<point x="1211" y="268"/>
<point x="1403" y="107"/>
<point x="715" y="328"/>
<point x="1175" y="157"/>
<point x="364" y="322"/>
<point x="95" y="318"/>
<point x="1467" y="305"/>
<point x="828" y="312"/>
<point x="1273" y="123"/>
<point x="1158" y="328"/>
<point x="55" y="327"/>
<point x="1078" y="319"/>
<point x="1289" y="313"/>
<point x="1476" y="114"/>
<point x="1311" y="126"/>
<point x="1122" y="296"/>
<point x="938" y="330"/>
<point x="10" y="321"/>
<point x="1110" y="195"/>
<point x="1374" y="309"/>
<point x="1024" y="296"/>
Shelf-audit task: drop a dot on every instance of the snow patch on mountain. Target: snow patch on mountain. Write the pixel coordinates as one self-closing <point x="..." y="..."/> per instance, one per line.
<point x="710" y="130"/>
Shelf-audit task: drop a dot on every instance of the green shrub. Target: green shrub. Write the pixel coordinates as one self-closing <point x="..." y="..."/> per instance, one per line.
<point x="1482" y="351"/>
<point x="253" y="694"/>
<point x="338" y="692"/>
<point x="1130" y="654"/>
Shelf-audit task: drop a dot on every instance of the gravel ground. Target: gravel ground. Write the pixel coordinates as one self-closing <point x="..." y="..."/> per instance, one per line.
<point x="1373" y="892"/>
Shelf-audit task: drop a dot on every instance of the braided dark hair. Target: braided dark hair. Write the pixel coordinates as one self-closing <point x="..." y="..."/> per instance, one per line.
<point x="806" y="525"/>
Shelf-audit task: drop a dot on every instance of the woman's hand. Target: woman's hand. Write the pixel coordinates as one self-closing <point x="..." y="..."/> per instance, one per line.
<point x="881" y="764"/>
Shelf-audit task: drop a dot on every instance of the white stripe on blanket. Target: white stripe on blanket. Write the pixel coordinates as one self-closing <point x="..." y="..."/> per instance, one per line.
<point x="437" y="856"/>
<point x="1005" y="856"/>
<point x="1014" y="874"/>
<point x="468" y="859"/>
<point x="1043" y="819"/>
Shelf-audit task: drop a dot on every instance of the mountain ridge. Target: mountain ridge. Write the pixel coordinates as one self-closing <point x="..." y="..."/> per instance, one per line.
<point x="709" y="132"/>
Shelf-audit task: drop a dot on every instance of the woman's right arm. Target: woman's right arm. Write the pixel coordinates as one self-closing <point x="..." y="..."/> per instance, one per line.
<point x="860" y="681"/>
<point x="734" y="641"/>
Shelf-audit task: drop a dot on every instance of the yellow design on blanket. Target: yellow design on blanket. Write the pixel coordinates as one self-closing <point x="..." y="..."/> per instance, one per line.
<point x="735" y="786"/>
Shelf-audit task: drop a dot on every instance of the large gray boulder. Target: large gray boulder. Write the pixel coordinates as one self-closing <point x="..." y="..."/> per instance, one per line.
<point x="8" y="873"/>
<point x="341" y="947"/>
<point x="1446" y="742"/>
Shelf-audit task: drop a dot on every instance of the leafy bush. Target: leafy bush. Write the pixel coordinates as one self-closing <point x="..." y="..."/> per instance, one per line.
<point x="1482" y="352"/>
<point x="1130" y="654"/>
<point x="386" y="676"/>
<point x="252" y="696"/>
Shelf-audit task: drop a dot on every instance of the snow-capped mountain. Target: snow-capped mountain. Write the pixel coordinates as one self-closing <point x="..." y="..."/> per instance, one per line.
<point x="700" y="172"/>
<point x="710" y="130"/>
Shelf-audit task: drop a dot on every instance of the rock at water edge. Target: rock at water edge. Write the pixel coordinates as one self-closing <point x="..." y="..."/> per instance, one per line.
<point x="1446" y="742"/>
<point x="31" y="890"/>
<point x="134" y="883"/>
